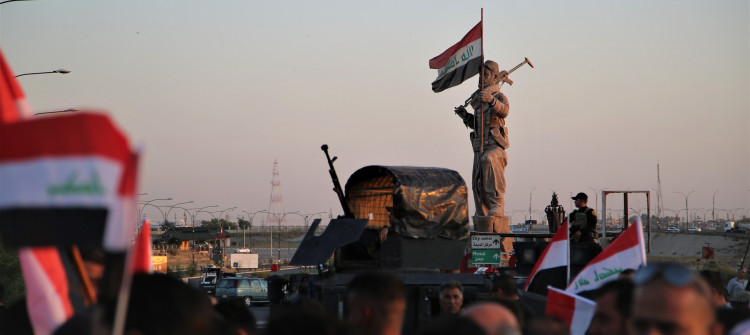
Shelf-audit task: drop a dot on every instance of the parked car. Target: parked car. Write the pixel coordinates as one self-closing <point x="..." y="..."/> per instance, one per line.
<point x="250" y="290"/>
<point x="694" y="229"/>
<point x="673" y="230"/>
<point x="211" y="276"/>
<point x="208" y="283"/>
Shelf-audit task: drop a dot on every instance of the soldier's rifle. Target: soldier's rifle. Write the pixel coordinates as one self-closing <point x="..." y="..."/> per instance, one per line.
<point x="503" y="79"/>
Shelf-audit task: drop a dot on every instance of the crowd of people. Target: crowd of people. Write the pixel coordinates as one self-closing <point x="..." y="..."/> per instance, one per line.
<point x="661" y="298"/>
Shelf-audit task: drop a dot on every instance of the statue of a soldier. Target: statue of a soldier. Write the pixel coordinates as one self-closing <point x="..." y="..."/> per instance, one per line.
<point x="489" y="139"/>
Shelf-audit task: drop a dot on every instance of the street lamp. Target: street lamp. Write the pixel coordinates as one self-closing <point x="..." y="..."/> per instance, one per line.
<point x="596" y="195"/>
<point x="140" y="210"/>
<point x="279" y="225"/>
<point x="166" y="216"/>
<point x="69" y="110"/>
<point x="7" y="1"/>
<point x="713" y="207"/>
<point x="221" y="212"/>
<point x="530" y="193"/>
<point x="61" y="71"/>
<point x="687" y="217"/>
<point x="192" y="216"/>
<point x="306" y="217"/>
<point x="516" y="211"/>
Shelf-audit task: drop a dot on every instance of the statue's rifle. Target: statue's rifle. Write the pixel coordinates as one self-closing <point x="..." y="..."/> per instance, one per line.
<point x="336" y="185"/>
<point x="504" y="79"/>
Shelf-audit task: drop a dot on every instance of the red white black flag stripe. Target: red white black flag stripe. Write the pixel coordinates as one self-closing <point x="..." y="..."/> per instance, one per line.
<point x="461" y="61"/>
<point x="66" y="180"/>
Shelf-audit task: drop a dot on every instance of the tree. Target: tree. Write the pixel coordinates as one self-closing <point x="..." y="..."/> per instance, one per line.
<point x="219" y="224"/>
<point x="167" y="225"/>
<point x="244" y="224"/>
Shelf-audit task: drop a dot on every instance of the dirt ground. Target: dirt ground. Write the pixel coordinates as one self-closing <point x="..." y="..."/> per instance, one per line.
<point x="686" y="248"/>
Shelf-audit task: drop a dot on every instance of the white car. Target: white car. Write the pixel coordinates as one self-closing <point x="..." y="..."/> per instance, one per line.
<point x="673" y="230"/>
<point x="694" y="229"/>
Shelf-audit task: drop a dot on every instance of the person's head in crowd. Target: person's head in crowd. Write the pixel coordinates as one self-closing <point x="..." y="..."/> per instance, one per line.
<point x="612" y="312"/>
<point x="493" y="317"/>
<point x="451" y="325"/>
<point x="451" y="297"/>
<point x="670" y="299"/>
<point x="513" y="306"/>
<point x="546" y="325"/>
<point x="239" y="319"/>
<point x="162" y="305"/>
<point x="741" y="274"/>
<point x="627" y="273"/>
<point x="504" y="286"/>
<point x="304" y="316"/>
<point x="718" y="290"/>
<point x="377" y="302"/>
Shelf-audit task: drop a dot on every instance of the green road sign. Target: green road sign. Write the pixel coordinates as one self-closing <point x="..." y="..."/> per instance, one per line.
<point x="485" y="256"/>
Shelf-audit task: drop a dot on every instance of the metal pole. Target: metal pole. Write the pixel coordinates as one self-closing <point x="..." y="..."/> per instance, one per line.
<point x="530" y="193"/>
<point x="713" y="207"/>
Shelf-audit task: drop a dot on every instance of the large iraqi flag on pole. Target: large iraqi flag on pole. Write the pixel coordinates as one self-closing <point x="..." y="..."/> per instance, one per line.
<point x="461" y="61"/>
<point x="553" y="265"/>
<point x="627" y="251"/>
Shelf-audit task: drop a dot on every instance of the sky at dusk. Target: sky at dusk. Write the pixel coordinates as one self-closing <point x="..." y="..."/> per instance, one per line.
<point x="214" y="92"/>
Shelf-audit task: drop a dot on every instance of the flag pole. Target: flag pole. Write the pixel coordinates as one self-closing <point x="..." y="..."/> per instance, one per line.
<point x="88" y="289"/>
<point x="567" y="236"/>
<point x="481" y="79"/>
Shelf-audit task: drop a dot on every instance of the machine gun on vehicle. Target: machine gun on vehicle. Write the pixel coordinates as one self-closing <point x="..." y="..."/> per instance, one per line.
<point x="336" y="185"/>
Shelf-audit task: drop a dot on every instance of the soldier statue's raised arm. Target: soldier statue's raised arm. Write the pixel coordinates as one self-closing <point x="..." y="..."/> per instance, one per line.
<point x="488" y="175"/>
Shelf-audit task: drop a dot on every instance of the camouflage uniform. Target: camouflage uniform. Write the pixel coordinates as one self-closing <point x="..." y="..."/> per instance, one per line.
<point x="488" y="174"/>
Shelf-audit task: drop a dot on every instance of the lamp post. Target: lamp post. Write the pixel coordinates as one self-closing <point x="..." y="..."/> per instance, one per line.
<point x="713" y="207"/>
<point x="166" y="215"/>
<point x="140" y="210"/>
<point x="192" y="216"/>
<point x="687" y="216"/>
<point x="669" y="218"/>
<point x="221" y="212"/>
<point x="69" y="110"/>
<point x="7" y="1"/>
<point x="306" y="217"/>
<point x="61" y="71"/>
<point x="279" y="225"/>
<point x="250" y="217"/>
<point x="209" y="213"/>
<point x="530" y="193"/>
<point x="596" y="197"/>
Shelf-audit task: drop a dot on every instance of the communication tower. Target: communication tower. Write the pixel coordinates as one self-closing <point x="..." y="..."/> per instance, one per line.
<point x="276" y="205"/>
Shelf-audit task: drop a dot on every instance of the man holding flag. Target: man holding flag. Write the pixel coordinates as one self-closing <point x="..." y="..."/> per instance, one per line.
<point x="489" y="138"/>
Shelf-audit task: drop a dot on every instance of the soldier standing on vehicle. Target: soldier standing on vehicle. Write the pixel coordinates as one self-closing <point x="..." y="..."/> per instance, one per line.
<point x="582" y="220"/>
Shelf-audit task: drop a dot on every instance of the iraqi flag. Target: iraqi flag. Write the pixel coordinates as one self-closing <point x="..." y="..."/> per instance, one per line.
<point x="47" y="289"/>
<point x="142" y="250"/>
<point x="627" y="251"/>
<point x="461" y="61"/>
<point x="574" y="310"/>
<point x="67" y="180"/>
<point x="551" y="269"/>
